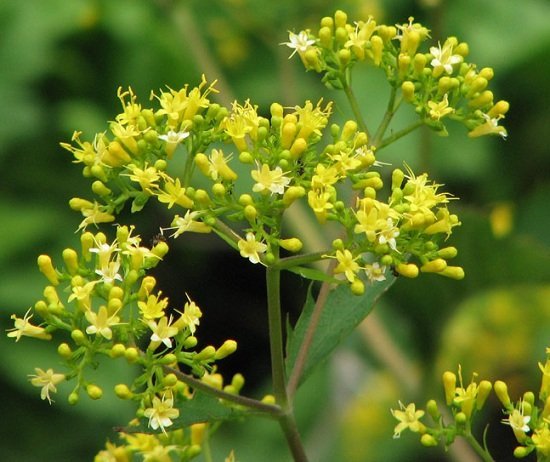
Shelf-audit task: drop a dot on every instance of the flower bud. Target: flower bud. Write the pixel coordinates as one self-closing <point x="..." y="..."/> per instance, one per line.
<point x="250" y="212"/>
<point x="292" y="244"/>
<point x="99" y="188"/>
<point x="377" y="46"/>
<point x="340" y="18"/>
<point x="292" y="193"/>
<point x="357" y="287"/>
<point x="64" y="350"/>
<point x="190" y="342"/>
<point x="325" y="36"/>
<point x="453" y="272"/>
<point x="483" y="391"/>
<point x="501" y="390"/>
<point x="499" y="109"/>
<point x="521" y="451"/>
<point x="407" y="88"/>
<point x="449" y="385"/>
<point x="288" y="133"/>
<point x="170" y="380"/>
<point x="238" y="382"/>
<point x="447" y="252"/>
<point x="94" y="391"/>
<point x="46" y="268"/>
<point x="228" y="347"/>
<point x="245" y="157"/>
<point x="70" y="257"/>
<point x="78" y="336"/>
<point x="122" y="391"/>
<point x="434" y="266"/>
<point x="428" y="440"/>
<point x="409" y="270"/>
<point x="218" y="189"/>
<point x="131" y="354"/>
<point x="205" y="354"/>
<point x="433" y="411"/>
<point x="118" y="350"/>
<point x="276" y="110"/>
<point x="73" y="398"/>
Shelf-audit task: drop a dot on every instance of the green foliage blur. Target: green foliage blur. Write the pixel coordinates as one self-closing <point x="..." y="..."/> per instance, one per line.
<point x="60" y="66"/>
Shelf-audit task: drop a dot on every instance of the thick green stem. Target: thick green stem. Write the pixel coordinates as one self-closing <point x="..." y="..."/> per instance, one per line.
<point x="286" y="420"/>
<point x="273" y="279"/>
<point x="297" y="260"/>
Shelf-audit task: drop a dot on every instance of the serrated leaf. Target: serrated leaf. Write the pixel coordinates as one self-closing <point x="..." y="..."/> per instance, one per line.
<point x="343" y="311"/>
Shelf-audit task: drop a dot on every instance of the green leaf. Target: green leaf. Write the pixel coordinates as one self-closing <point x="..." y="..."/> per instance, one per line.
<point x="312" y="274"/>
<point x="343" y="311"/>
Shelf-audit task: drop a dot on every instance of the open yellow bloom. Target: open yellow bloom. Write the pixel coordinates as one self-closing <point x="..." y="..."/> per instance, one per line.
<point x="23" y="328"/>
<point x="161" y="413"/>
<point x="47" y="380"/>
<point x="251" y="249"/>
<point x="409" y="418"/>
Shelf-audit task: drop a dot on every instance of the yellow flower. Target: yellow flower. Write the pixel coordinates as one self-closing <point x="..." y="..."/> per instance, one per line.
<point x="189" y="318"/>
<point x="320" y="202"/>
<point x="489" y="127"/>
<point x="173" y="193"/>
<point x="250" y="248"/>
<point x="147" y="178"/>
<point x="312" y="119"/>
<point x="269" y="180"/>
<point x="82" y="294"/>
<point x="218" y="166"/>
<point x="443" y="58"/>
<point x="101" y="322"/>
<point x="518" y="422"/>
<point x="440" y="109"/>
<point x="131" y="110"/>
<point x="161" y="413"/>
<point x="47" y="380"/>
<point x="162" y="332"/>
<point x="23" y="328"/>
<point x="154" y="306"/>
<point x="346" y="264"/>
<point x="94" y="214"/>
<point x="358" y="38"/>
<point x="541" y="439"/>
<point x="408" y="418"/>
<point x="187" y="223"/>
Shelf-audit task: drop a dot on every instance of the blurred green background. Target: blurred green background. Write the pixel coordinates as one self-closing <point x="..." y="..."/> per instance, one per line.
<point x="60" y="65"/>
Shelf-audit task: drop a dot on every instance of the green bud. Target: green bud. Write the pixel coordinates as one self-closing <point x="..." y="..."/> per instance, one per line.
<point x="218" y="189"/>
<point x="521" y="451"/>
<point x="228" y="347"/>
<point x="461" y="418"/>
<point x="245" y="157"/>
<point x="250" y="213"/>
<point x="99" y="188"/>
<point x="432" y="409"/>
<point x="64" y="350"/>
<point x="122" y="391"/>
<point x="357" y="287"/>
<point x="78" y="336"/>
<point x="190" y="342"/>
<point x="131" y="354"/>
<point x="447" y="252"/>
<point x="94" y="391"/>
<point x="407" y="88"/>
<point x="118" y="350"/>
<point x="170" y="380"/>
<point x="73" y="398"/>
<point x="205" y="354"/>
<point x="169" y="358"/>
<point x="428" y="440"/>
<point x="386" y="260"/>
<point x="246" y="199"/>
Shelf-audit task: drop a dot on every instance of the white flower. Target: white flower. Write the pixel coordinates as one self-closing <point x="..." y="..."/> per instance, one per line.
<point x="173" y="137"/>
<point x="161" y="413"/>
<point x="299" y="42"/>
<point x="47" y="380"/>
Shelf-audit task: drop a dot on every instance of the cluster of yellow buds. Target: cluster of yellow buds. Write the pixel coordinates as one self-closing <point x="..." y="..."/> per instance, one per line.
<point x="436" y="79"/>
<point x="530" y="421"/>
<point x="101" y="302"/>
<point x="463" y="401"/>
<point x="285" y="163"/>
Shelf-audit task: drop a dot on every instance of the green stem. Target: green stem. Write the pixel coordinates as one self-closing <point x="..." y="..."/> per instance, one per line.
<point x="481" y="452"/>
<point x="263" y="408"/>
<point x="390" y="112"/>
<point x="394" y="137"/>
<point x="297" y="260"/>
<point x="286" y="420"/>
<point x="301" y="358"/>
<point x="273" y="279"/>
<point x="354" y="106"/>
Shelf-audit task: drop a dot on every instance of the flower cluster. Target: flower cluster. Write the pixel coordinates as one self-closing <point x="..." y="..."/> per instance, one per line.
<point x="463" y="401"/>
<point x="530" y="422"/>
<point x="438" y="81"/>
<point x="282" y="161"/>
<point x="102" y="302"/>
